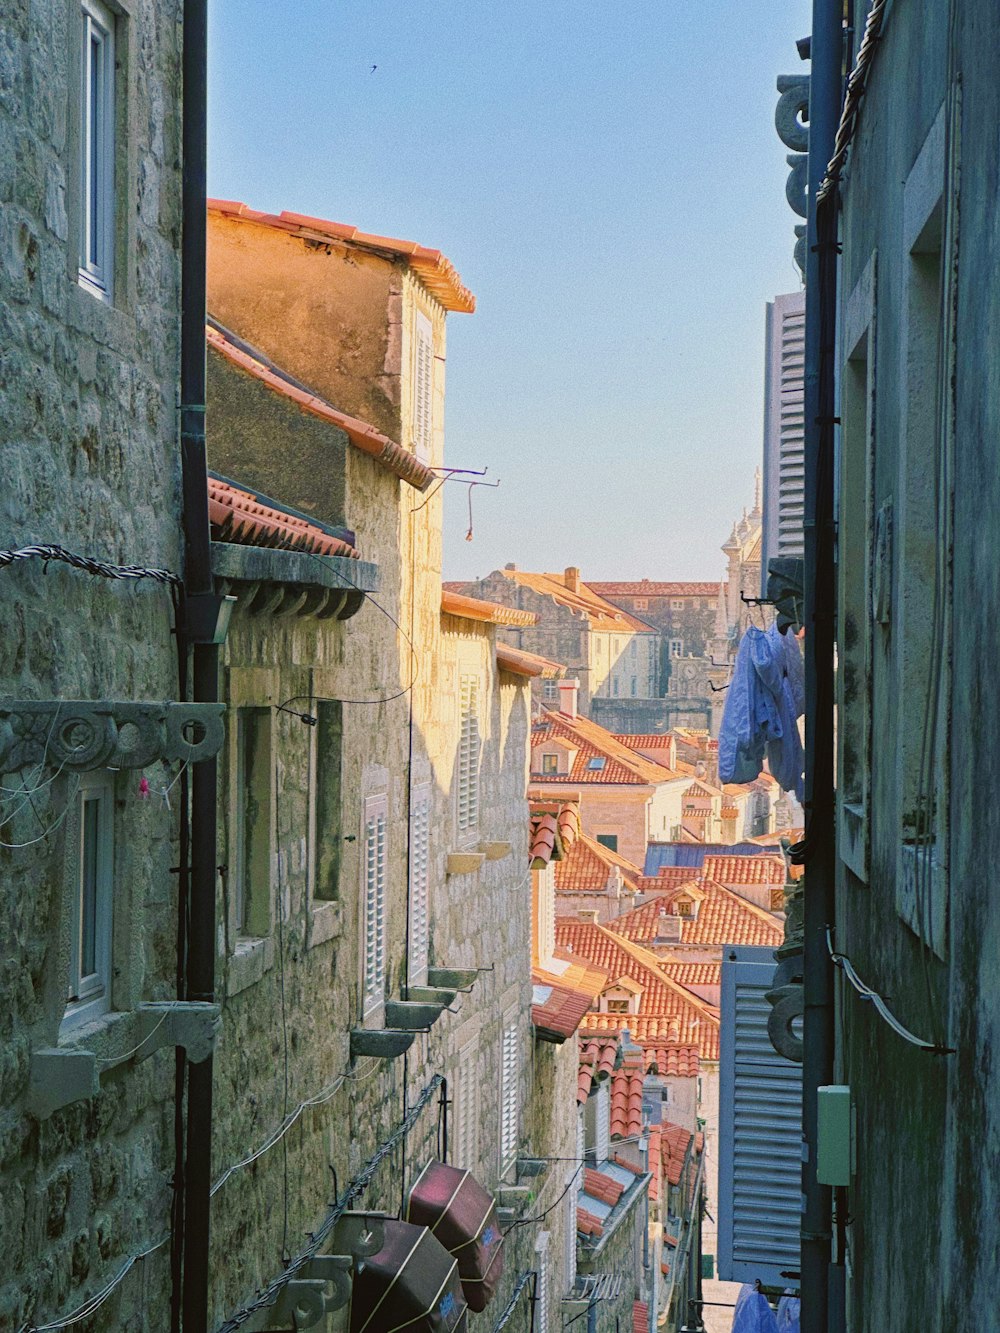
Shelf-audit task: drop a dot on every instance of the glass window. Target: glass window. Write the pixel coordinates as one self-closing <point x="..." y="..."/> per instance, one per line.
<point x="89" y="989"/>
<point x="97" y="149"/>
<point x="550" y="764"/>
<point x="609" y="840"/>
<point x="251" y="822"/>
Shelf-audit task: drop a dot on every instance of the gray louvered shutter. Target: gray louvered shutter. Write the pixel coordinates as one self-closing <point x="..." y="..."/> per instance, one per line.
<point x="760" y="1132"/>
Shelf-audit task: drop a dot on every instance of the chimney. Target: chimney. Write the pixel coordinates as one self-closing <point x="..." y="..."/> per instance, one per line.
<point x="572" y="578"/>
<point x="510" y="565"/>
<point x="569" y="694"/>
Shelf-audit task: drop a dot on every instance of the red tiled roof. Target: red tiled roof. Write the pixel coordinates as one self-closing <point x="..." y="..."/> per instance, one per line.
<point x="681" y="1016"/>
<point x="436" y="272"/>
<point x="723" y="918"/>
<point x="588" y="1223"/>
<point x="651" y="588"/>
<point x="694" y="974"/>
<point x="793" y="835"/>
<point x="675" y="1143"/>
<point x="240" y="517"/>
<point x="592" y="741"/>
<point x="597" y="1062"/>
<point x="492" y="613"/>
<point x="729" y="812"/>
<point x="671" y="1061"/>
<point x="754" y="869"/>
<point x="363" y="436"/>
<point x="588" y="865"/>
<point x="626" y="1097"/>
<point x="553" y="828"/>
<point x="571" y="993"/>
<point x="659" y="1032"/>
<point x="600" y="614"/>
<point x="522" y="663"/>
<point x="640" y="1317"/>
<point x="669" y="877"/>
<point x="602" y="1187"/>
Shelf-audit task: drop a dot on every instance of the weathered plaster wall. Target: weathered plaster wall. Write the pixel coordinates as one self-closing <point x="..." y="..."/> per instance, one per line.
<point x="87" y="428"/>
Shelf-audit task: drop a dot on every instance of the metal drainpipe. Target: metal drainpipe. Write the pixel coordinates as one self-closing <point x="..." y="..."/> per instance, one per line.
<point x="818" y="1027"/>
<point x="200" y="964"/>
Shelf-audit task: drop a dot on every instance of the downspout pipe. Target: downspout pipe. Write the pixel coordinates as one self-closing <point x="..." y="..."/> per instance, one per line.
<point x="820" y="329"/>
<point x="198" y="636"/>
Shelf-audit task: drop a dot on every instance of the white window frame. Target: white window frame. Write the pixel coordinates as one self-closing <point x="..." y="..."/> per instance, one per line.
<point x="374" y="849"/>
<point x="89" y="994"/>
<point x="97" y="149"/>
<point x="423" y="387"/>
<point x="469" y="745"/>
<point x="510" y="1107"/>
<point x="677" y="604"/>
<point x="676" y="647"/>
<point x="550" y="689"/>
<point x="420" y="858"/>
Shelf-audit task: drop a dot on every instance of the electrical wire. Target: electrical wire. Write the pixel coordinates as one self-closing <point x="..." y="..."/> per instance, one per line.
<point x="847" y="967"/>
<point x="89" y="564"/>
<point x="527" y="1221"/>
<point x="94" y="1303"/>
<point x="120" y="1059"/>
<point x="508" y="1310"/>
<point x="56" y="823"/>
<point x="852" y="98"/>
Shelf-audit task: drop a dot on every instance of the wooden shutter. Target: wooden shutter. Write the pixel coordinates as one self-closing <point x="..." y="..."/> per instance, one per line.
<point x="419" y="886"/>
<point x="760" y="1131"/>
<point x="374" y="890"/>
<point x="423" y="388"/>
<point x="466" y="1105"/>
<point x="509" y="1108"/>
<point x="468" y="755"/>
<point x="602" y="1138"/>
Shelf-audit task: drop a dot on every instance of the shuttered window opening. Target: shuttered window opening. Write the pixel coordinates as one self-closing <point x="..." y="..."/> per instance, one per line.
<point x="569" y="1237"/>
<point x="603" y="1128"/>
<point x="419" y="886"/>
<point x="509" y="1106"/>
<point x="760" y="1131"/>
<point x="541" y="1322"/>
<point x="468" y="755"/>
<point x="467" y="1109"/>
<point x="423" y="388"/>
<point x="374" y="887"/>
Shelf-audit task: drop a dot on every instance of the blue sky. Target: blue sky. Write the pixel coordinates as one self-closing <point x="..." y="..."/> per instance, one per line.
<point x="607" y="180"/>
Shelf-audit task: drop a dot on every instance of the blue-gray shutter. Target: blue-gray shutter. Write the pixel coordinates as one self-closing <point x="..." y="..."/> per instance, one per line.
<point x="760" y="1132"/>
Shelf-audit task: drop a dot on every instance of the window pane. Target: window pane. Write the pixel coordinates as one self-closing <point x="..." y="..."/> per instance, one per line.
<point x="88" y="887"/>
<point x="94" y="116"/>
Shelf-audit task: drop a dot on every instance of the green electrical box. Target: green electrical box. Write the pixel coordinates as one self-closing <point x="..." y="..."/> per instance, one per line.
<point x="833" y="1135"/>
<point x="708" y="1266"/>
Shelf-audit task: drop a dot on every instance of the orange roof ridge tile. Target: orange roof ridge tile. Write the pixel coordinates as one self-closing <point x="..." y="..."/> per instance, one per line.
<point x="241" y="517"/>
<point x="601" y="614"/>
<point x="652" y="588"/>
<point x="437" y="273"/>
<point x="474" y="608"/>
<point x="363" y="436"/>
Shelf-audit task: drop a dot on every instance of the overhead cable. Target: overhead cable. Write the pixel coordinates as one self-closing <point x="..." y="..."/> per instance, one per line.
<point x="852" y="98"/>
<point x="508" y="1310"/>
<point x="89" y="564"/>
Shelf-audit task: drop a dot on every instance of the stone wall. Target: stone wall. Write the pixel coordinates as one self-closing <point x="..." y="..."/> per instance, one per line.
<point x="87" y="398"/>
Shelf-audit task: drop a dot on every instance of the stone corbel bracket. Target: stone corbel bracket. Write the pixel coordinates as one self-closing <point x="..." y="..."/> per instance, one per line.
<point x="81" y="735"/>
<point x="61" y="1075"/>
<point x="791" y="120"/>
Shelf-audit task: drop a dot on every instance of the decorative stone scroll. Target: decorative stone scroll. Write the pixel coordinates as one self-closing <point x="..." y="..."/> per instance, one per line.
<point x="791" y="120"/>
<point x="81" y="735"/>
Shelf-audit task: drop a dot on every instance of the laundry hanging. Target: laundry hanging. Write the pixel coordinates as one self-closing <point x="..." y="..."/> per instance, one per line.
<point x="766" y="696"/>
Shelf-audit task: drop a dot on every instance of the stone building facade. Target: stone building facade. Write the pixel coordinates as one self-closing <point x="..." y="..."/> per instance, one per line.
<point x="88" y="391"/>
<point x="613" y="654"/>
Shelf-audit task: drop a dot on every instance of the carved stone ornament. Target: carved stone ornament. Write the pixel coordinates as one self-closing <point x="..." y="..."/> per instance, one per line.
<point x="791" y="115"/>
<point x="80" y="735"/>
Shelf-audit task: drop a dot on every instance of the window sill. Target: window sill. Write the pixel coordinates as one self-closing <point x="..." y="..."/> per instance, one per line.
<point x="324" y="924"/>
<point x="249" y="961"/>
<point x="852" y="839"/>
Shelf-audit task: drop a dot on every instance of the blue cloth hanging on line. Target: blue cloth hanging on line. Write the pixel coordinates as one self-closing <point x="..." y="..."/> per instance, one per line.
<point x="766" y="696"/>
<point x="752" y="1313"/>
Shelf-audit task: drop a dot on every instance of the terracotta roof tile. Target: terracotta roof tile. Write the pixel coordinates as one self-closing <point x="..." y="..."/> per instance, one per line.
<point x="587" y="1223"/>
<point x="570" y="995"/>
<point x="602" y="1187"/>
<point x="436" y="272"/>
<point x="588" y="865"/>
<point x="522" y="663"/>
<point x="723" y="918"/>
<point x="675" y="1144"/>
<point x="601" y="615"/>
<point x="553" y="828"/>
<point x="591" y="741"/>
<point x="731" y="870"/>
<point x="674" y="1013"/>
<point x="474" y="608"/>
<point x="652" y="588"/>
<point x="243" y="518"/>
<point x="598" y="1056"/>
<point x="640" y="1317"/>
<point x="363" y="436"/>
<point x="672" y="1061"/>
<point x="626" y="1098"/>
